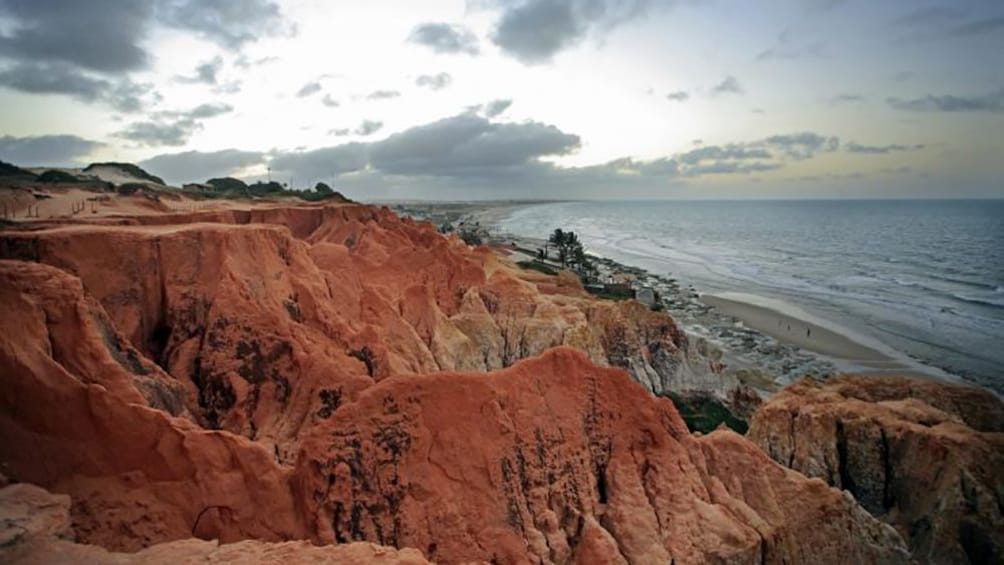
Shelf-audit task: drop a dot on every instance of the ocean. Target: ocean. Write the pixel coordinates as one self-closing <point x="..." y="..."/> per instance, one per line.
<point x="922" y="277"/>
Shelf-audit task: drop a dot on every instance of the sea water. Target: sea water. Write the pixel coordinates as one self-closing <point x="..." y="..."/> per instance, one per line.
<point x="923" y="277"/>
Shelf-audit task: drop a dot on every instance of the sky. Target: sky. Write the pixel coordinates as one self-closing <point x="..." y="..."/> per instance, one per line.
<point x="498" y="99"/>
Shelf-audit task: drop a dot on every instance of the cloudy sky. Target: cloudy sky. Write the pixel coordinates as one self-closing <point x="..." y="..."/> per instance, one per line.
<point x="480" y="99"/>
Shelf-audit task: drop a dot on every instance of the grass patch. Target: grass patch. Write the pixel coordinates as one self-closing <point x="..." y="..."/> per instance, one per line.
<point x="704" y="413"/>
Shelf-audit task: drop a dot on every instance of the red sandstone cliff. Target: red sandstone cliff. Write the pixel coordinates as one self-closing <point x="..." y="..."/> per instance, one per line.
<point x="35" y="528"/>
<point x="925" y="456"/>
<point x="274" y="375"/>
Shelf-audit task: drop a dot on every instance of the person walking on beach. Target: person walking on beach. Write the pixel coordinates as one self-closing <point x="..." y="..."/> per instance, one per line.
<point x="808" y="332"/>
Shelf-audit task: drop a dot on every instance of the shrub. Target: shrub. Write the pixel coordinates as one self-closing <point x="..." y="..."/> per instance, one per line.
<point x="53" y="175"/>
<point x="228" y="184"/>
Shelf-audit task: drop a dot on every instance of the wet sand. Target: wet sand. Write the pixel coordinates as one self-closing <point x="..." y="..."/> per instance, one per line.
<point x="813" y="337"/>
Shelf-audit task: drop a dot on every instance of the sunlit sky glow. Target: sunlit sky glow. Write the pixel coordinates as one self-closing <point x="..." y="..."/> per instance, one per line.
<point x="513" y="99"/>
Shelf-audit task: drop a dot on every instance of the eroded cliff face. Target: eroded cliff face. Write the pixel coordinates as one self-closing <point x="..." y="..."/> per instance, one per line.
<point x="321" y="375"/>
<point x="35" y="528"/>
<point x="269" y="317"/>
<point x="925" y="456"/>
<point x="556" y="460"/>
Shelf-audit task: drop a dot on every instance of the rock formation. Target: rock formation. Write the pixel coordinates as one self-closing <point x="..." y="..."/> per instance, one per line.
<point x="238" y="312"/>
<point x="336" y="374"/>
<point x="925" y="456"/>
<point x="35" y="528"/>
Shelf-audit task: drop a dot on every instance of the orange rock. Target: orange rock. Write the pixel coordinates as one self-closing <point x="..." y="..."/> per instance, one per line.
<point x="925" y="456"/>
<point x="529" y="463"/>
<point x="334" y="373"/>
<point x="35" y="528"/>
<point x="73" y="420"/>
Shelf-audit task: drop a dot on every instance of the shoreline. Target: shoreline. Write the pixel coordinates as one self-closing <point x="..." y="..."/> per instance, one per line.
<point x="752" y="335"/>
<point x="850" y="355"/>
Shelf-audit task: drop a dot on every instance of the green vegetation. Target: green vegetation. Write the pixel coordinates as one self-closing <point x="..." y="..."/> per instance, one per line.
<point x="53" y="175"/>
<point x="228" y="185"/>
<point x="535" y="266"/>
<point x="266" y="188"/>
<point x="471" y="234"/>
<point x="704" y="413"/>
<point x="9" y="170"/>
<point x="129" y="168"/>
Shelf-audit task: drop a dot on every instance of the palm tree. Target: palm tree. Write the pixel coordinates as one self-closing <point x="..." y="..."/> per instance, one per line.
<point x="557" y="238"/>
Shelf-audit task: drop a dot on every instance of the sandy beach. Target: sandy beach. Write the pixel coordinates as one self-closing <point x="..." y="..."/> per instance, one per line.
<point x="812" y="336"/>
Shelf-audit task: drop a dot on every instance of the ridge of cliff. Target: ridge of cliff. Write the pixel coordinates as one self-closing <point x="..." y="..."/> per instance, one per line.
<point x="238" y="305"/>
<point x="925" y="456"/>
<point x="234" y="382"/>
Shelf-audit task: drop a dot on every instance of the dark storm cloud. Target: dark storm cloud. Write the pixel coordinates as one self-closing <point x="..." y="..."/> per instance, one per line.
<point x="464" y="143"/>
<point x="469" y="153"/>
<point x="321" y="163"/>
<point x="107" y="35"/>
<point x="100" y="35"/>
<point x="435" y="82"/>
<point x="309" y="89"/>
<point x="992" y="102"/>
<point x="368" y="127"/>
<point x="156" y="133"/>
<point x="445" y="38"/>
<point x="463" y="146"/>
<point x="534" y="31"/>
<point x="227" y="23"/>
<point x="172" y="128"/>
<point x="59" y="78"/>
<point x="85" y="49"/>
<point x="678" y="96"/>
<point x="382" y="95"/>
<point x="178" y="168"/>
<point x="852" y="147"/>
<point x="53" y="79"/>
<point x="729" y="85"/>
<point x="45" y="150"/>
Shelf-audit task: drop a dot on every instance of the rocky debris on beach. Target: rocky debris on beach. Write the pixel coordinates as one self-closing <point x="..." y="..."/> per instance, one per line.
<point x="333" y="373"/>
<point x="752" y="357"/>
<point x="925" y="456"/>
